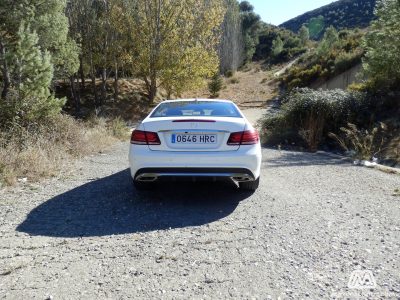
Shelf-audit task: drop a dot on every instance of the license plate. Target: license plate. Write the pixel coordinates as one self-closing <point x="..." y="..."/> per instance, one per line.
<point x="194" y="138"/>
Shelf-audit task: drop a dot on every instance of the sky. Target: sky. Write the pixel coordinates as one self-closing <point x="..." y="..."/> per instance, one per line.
<point x="278" y="11"/>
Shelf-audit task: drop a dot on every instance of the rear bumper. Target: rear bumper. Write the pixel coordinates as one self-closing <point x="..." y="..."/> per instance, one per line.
<point x="245" y="162"/>
<point x="154" y="174"/>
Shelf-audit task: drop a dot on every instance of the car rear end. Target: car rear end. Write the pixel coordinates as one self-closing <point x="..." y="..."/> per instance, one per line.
<point x="195" y="139"/>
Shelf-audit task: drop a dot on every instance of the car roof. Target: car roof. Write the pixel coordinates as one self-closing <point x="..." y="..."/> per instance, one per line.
<point x="197" y="99"/>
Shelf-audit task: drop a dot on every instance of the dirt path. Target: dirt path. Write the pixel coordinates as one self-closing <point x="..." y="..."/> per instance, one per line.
<point x="254" y="114"/>
<point x="313" y="221"/>
<point x="252" y="88"/>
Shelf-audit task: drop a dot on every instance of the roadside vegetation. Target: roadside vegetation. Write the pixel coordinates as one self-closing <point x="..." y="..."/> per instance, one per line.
<point x="98" y="61"/>
<point x="334" y="54"/>
<point x="46" y="149"/>
<point x="363" y="121"/>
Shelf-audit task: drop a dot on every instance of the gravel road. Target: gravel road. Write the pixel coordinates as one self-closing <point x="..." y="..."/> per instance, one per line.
<point x="313" y="221"/>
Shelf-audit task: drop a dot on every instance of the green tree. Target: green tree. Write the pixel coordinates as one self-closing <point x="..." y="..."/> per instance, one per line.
<point x="382" y="44"/>
<point x="215" y="85"/>
<point x="175" y="42"/>
<point x="331" y="37"/>
<point x="277" y="46"/>
<point x="48" y="20"/>
<point x="304" y="35"/>
<point x="251" y="23"/>
<point x="32" y="71"/>
<point x="231" y="46"/>
<point x="316" y="26"/>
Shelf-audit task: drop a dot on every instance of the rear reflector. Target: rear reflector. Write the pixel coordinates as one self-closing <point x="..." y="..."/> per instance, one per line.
<point x="140" y="137"/>
<point x="249" y="137"/>
<point x="193" y="120"/>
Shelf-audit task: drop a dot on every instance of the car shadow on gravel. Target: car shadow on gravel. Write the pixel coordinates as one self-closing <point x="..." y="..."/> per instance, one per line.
<point x="111" y="206"/>
<point x="292" y="159"/>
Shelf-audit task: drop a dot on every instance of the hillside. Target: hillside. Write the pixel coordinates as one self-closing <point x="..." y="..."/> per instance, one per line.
<point x="340" y="14"/>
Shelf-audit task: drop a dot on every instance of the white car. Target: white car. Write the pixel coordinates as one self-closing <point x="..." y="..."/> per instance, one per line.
<point x="195" y="138"/>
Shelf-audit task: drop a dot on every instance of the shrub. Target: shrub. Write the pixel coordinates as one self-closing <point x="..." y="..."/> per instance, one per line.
<point x="346" y="60"/>
<point x="309" y="115"/>
<point x="215" y="85"/>
<point x="229" y="73"/>
<point x="334" y="55"/>
<point x="234" y="80"/>
<point x="118" y="128"/>
<point x="41" y="150"/>
<point x="366" y="144"/>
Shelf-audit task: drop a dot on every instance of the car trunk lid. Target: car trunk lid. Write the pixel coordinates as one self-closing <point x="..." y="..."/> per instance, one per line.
<point x="194" y="134"/>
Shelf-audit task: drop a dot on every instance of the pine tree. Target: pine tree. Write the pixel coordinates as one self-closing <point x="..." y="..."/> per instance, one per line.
<point x="215" y="85"/>
<point x="32" y="71"/>
<point x="331" y="37"/>
<point x="304" y="35"/>
<point x="46" y="18"/>
<point x="277" y="46"/>
<point x="382" y="44"/>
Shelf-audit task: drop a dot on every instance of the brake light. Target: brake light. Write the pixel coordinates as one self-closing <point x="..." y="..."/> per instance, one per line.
<point x="140" y="137"/>
<point x="193" y="120"/>
<point x="249" y="137"/>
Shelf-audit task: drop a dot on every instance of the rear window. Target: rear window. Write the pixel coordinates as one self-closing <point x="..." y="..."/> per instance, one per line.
<point x="196" y="109"/>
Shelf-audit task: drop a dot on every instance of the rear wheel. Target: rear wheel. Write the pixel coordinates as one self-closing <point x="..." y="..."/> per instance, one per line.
<point x="142" y="186"/>
<point x="249" y="185"/>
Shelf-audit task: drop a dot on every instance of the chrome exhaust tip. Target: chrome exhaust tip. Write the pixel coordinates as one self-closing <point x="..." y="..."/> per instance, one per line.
<point x="242" y="178"/>
<point x="147" y="178"/>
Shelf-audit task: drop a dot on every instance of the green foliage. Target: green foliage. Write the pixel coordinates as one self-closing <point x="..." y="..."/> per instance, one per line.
<point x="304" y="35"/>
<point x="292" y="45"/>
<point x="35" y="46"/>
<point x="215" y="85"/>
<point x="231" y="46"/>
<point x="246" y="6"/>
<point x="174" y="45"/>
<point x="251" y="23"/>
<point x="118" y="128"/>
<point x="229" y="73"/>
<point x="46" y="18"/>
<point x="381" y="63"/>
<point x="342" y="14"/>
<point x="331" y="37"/>
<point x="308" y="116"/>
<point x="31" y="99"/>
<point x="336" y="53"/>
<point x="366" y="144"/>
<point x="277" y="46"/>
<point x="316" y="26"/>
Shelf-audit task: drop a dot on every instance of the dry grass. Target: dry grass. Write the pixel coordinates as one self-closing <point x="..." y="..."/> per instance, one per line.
<point x="249" y="87"/>
<point x="313" y="131"/>
<point x="44" y="150"/>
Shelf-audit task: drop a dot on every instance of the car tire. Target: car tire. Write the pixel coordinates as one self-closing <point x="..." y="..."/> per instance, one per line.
<point x="142" y="186"/>
<point x="250" y="185"/>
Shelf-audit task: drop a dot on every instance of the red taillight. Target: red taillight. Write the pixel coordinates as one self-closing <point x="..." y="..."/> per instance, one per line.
<point x="193" y="121"/>
<point x="249" y="137"/>
<point x="140" y="137"/>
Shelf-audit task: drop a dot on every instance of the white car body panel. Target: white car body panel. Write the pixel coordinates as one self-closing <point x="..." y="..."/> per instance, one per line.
<point x="218" y="156"/>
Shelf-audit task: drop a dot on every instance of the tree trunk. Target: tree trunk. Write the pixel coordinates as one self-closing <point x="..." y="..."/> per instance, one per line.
<point x="74" y="94"/>
<point x="152" y="88"/>
<point x="81" y="73"/>
<point x="94" y="89"/>
<point x="93" y="79"/>
<point x="5" y="71"/>
<point x="116" y="91"/>
<point x="103" y="85"/>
